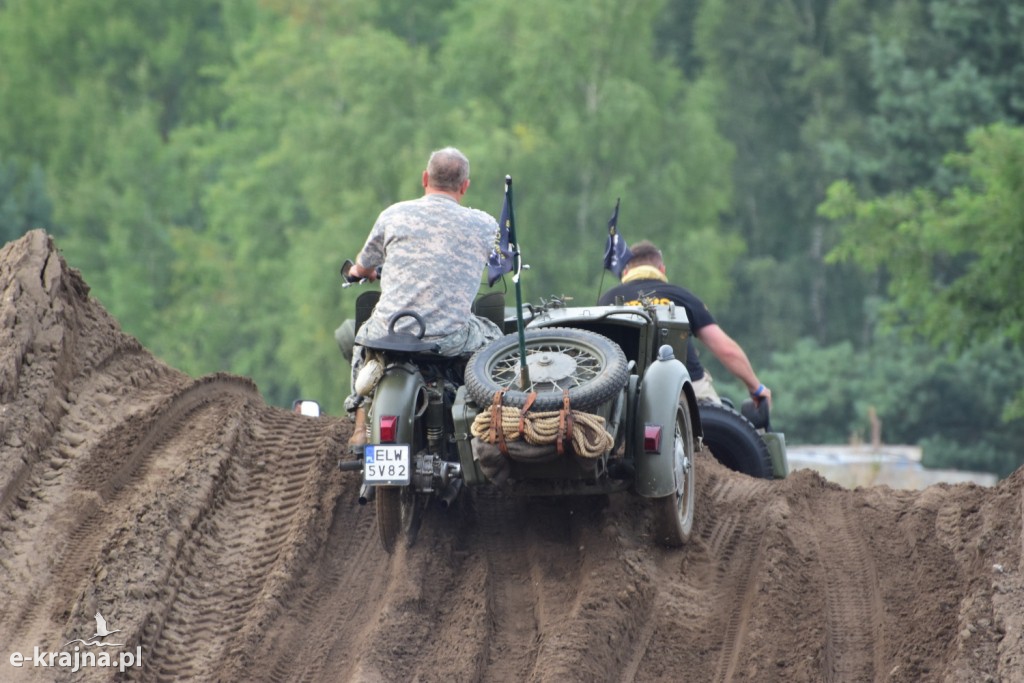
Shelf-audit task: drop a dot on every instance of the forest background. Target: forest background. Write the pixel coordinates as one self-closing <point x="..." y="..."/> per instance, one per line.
<point x="841" y="180"/>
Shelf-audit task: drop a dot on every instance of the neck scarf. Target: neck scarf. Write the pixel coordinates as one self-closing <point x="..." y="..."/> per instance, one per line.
<point x="644" y="273"/>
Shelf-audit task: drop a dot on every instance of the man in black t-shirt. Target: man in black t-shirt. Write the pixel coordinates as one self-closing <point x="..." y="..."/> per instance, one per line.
<point x="643" y="279"/>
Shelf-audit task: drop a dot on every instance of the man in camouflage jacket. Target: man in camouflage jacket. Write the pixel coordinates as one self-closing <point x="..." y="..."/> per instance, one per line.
<point x="434" y="250"/>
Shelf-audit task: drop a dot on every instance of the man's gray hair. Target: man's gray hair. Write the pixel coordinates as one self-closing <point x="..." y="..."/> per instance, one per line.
<point x="448" y="168"/>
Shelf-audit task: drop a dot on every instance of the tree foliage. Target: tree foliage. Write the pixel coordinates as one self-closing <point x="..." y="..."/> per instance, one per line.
<point x="208" y="164"/>
<point x="24" y="200"/>
<point x="951" y="405"/>
<point x="952" y="263"/>
<point x="581" y="123"/>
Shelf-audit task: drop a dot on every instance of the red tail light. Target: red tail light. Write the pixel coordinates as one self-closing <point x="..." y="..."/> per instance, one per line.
<point x="388" y="428"/>
<point x="652" y="438"/>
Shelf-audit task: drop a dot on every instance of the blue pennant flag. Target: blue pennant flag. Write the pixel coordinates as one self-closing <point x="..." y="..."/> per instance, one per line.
<point x="616" y="251"/>
<point x="500" y="260"/>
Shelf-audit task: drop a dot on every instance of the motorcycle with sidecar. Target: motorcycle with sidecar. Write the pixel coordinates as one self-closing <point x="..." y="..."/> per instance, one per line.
<point x="602" y="404"/>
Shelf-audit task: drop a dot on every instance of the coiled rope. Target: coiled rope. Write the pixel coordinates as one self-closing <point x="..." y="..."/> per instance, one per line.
<point x="585" y="431"/>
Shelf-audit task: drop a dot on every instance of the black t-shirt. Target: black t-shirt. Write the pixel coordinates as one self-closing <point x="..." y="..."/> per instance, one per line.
<point x="696" y="311"/>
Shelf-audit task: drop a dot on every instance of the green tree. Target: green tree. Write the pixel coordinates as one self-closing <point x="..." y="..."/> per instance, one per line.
<point x="579" y="122"/>
<point x="813" y="92"/>
<point x="141" y="51"/>
<point x="24" y="201"/>
<point x="124" y="201"/>
<point x="951" y="406"/>
<point x="322" y="130"/>
<point x="92" y="93"/>
<point x="952" y="264"/>
<point x="952" y="67"/>
<point x="792" y="91"/>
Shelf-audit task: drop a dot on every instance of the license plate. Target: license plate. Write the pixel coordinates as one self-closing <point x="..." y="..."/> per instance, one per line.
<point x="386" y="464"/>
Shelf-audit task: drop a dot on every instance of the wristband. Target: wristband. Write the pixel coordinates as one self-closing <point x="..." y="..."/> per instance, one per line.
<point x="758" y="392"/>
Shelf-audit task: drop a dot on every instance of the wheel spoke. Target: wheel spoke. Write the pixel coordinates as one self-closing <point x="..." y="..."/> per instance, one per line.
<point x="505" y="368"/>
<point x="589" y="366"/>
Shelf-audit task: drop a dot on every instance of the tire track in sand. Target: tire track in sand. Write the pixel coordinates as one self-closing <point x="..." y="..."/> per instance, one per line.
<point x="854" y="635"/>
<point x="596" y="607"/>
<point x="736" y="541"/>
<point x="103" y="489"/>
<point x="195" y="408"/>
<point x="422" y="595"/>
<point x="42" y="461"/>
<point x="549" y="608"/>
<point x="329" y="605"/>
<point x="245" y="550"/>
<point x="511" y="592"/>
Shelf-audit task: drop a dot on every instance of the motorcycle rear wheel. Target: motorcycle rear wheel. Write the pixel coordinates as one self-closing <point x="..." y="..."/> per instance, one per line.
<point x="591" y="366"/>
<point x="399" y="512"/>
<point x="673" y="514"/>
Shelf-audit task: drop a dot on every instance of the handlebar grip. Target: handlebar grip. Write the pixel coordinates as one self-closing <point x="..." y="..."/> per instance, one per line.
<point x="349" y="279"/>
<point x="345" y="268"/>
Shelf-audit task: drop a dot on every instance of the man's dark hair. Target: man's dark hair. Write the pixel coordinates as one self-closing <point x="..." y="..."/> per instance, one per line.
<point x="645" y="254"/>
<point x="448" y="168"/>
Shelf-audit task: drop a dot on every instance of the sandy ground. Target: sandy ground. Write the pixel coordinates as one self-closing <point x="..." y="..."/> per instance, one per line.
<point x="217" y="535"/>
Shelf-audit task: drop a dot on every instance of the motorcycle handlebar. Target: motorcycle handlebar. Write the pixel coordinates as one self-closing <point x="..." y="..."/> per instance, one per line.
<point x="350" y="280"/>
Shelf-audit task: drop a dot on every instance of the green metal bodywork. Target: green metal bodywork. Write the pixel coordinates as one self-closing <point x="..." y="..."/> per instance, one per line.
<point x="650" y="397"/>
<point x="776" y="442"/>
<point x="401" y="387"/>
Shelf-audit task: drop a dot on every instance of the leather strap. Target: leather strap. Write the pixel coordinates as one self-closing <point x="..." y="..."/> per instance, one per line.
<point x="527" y="404"/>
<point x="563" y="441"/>
<point x="497" y="433"/>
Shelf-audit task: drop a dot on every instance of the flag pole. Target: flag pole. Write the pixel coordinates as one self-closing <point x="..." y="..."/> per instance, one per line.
<point x="517" y="265"/>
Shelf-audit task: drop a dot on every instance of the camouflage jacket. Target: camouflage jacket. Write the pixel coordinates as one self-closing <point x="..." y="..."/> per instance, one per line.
<point x="433" y="251"/>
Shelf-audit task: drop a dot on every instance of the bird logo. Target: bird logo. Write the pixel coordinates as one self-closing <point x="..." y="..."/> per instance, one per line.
<point x="101" y="627"/>
<point x="97" y="638"/>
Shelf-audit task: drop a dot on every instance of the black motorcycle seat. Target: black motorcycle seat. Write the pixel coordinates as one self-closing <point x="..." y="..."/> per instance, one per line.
<point x="401" y="342"/>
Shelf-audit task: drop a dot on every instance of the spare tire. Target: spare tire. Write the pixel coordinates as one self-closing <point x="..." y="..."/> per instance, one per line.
<point x="734" y="441"/>
<point x="591" y="366"/>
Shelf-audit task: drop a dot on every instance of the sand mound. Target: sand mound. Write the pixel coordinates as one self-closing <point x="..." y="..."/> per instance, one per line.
<point x="216" y="534"/>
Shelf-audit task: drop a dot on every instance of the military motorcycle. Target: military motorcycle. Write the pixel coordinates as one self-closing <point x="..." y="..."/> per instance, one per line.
<point x="603" y="406"/>
<point x="578" y="401"/>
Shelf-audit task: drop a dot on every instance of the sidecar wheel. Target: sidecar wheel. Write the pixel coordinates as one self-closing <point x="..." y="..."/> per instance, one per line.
<point x="589" y="365"/>
<point x="673" y="514"/>
<point x="734" y="441"/>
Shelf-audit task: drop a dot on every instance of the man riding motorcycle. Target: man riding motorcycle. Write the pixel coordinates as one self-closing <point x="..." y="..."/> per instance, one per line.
<point x="435" y="250"/>
<point x="644" y="276"/>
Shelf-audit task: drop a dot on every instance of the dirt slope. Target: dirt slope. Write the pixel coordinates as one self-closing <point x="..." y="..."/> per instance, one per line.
<point x="217" y="534"/>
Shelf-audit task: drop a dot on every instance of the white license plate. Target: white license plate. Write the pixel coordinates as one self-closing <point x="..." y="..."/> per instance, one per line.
<point x="386" y="464"/>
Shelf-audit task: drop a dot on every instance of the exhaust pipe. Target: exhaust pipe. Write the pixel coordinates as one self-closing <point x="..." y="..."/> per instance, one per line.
<point x="366" y="493"/>
<point x="351" y="465"/>
<point x="450" y="493"/>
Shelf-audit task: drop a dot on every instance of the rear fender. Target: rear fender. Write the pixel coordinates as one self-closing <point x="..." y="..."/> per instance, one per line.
<point x="776" y="443"/>
<point x="691" y="403"/>
<point x="402" y="392"/>
<point x="661" y="389"/>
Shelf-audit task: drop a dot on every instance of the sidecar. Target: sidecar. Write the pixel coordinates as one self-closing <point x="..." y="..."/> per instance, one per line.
<point x="612" y="370"/>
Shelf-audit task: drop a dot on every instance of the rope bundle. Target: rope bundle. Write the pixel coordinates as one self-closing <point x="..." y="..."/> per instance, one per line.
<point x="585" y="430"/>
